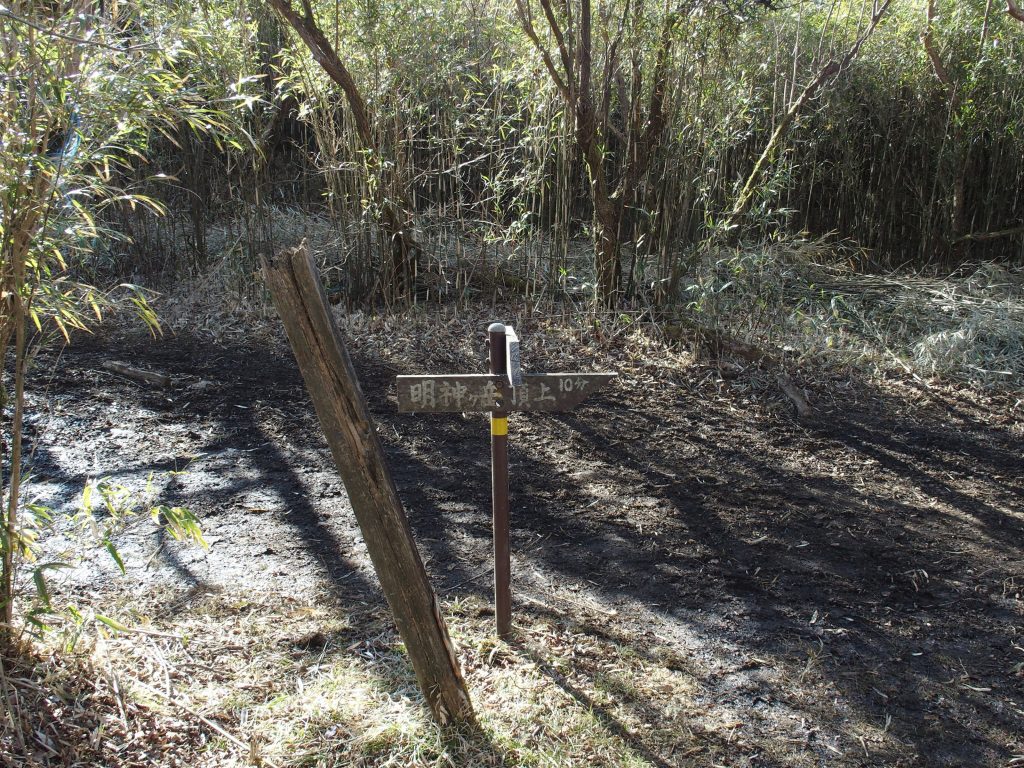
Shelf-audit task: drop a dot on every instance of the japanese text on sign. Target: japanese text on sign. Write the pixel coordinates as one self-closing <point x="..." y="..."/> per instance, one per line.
<point x="538" y="392"/>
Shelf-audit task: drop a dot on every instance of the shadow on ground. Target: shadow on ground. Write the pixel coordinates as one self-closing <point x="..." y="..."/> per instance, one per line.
<point x="847" y="590"/>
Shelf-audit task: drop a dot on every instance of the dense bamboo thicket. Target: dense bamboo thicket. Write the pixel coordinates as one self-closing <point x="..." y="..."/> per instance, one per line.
<point x="907" y="140"/>
<point x="713" y="198"/>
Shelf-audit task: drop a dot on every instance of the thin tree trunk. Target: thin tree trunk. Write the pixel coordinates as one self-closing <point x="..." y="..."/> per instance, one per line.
<point x="395" y="220"/>
<point x="15" y="247"/>
<point x="608" y="264"/>
<point x="198" y="198"/>
<point x="607" y="212"/>
<point x="954" y="245"/>
<point x="575" y="83"/>
<point x="14" y="469"/>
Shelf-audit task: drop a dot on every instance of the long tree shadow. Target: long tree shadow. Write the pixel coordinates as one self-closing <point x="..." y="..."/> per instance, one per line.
<point x="820" y="559"/>
<point x="778" y="583"/>
<point x="816" y="544"/>
<point x="748" y="533"/>
<point x="273" y="469"/>
<point x="237" y="459"/>
<point x="608" y="720"/>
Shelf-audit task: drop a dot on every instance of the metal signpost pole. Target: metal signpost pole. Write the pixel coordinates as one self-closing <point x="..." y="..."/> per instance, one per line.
<point x="506" y="388"/>
<point x="499" y="489"/>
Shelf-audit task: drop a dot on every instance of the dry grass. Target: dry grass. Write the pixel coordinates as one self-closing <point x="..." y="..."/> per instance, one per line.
<point x="207" y="679"/>
<point x="62" y="710"/>
<point x="803" y="297"/>
<point x="799" y="296"/>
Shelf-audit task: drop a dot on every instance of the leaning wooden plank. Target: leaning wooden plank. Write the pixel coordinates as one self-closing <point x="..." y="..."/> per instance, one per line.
<point x="137" y="375"/>
<point x="331" y="380"/>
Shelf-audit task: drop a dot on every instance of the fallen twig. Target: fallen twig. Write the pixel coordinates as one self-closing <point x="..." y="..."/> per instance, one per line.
<point x="11" y="707"/>
<point x="137" y="375"/>
<point x="718" y="342"/>
<point x="795" y="394"/>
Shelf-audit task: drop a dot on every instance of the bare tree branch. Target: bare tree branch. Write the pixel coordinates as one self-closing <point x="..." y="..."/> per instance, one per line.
<point x="395" y="218"/>
<point x="585" y="52"/>
<point x="327" y="57"/>
<point x="831" y="70"/>
<point x="526" y="19"/>
<point x="563" y="50"/>
<point x="611" y="69"/>
<point x="979" y="237"/>
<point x="928" y="41"/>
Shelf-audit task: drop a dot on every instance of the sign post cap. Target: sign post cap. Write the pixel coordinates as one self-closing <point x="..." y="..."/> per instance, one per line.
<point x="496" y="328"/>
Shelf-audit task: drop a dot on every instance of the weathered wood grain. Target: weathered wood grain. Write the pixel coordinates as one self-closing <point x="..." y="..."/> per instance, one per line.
<point x="137" y="375"/>
<point x="513" y="366"/>
<point x="323" y="360"/>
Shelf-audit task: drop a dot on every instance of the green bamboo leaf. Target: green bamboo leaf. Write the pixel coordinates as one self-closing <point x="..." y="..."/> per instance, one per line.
<point x="112" y="623"/>
<point x="41" y="591"/>
<point x="109" y="546"/>
<point x="39" y="580"/>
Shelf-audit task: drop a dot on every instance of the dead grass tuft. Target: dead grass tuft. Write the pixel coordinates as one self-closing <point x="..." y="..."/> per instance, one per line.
<point x="66" y="710"/>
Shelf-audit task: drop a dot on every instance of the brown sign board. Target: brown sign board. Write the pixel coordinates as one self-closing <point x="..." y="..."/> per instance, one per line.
<point x="461" y="393"/>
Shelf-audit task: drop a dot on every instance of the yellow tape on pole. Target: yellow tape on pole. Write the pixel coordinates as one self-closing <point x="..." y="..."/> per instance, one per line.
<point x="499" y="425"/>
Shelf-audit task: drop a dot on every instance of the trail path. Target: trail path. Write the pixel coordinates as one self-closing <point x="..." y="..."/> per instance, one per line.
<point x="847" y="592"/>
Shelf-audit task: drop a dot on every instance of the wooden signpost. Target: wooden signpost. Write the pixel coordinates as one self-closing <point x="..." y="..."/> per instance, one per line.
<point x="506" y="388"/>
<point x="334" y="389"/>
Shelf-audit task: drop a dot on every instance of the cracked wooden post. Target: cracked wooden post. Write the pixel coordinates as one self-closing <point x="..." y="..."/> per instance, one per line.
<point x="298" y="295"/>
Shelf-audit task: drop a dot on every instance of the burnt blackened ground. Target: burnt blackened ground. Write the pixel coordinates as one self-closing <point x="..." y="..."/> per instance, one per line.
<point x="841" y="592"/>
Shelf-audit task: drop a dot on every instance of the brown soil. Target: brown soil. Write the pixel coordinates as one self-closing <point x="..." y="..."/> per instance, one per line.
<point x="843" y="592"/>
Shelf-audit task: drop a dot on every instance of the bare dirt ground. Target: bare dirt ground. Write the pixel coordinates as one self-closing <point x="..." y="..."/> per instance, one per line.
<point x="847" y="591"/>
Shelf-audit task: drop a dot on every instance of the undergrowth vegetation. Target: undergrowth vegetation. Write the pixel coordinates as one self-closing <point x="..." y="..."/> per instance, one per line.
<point x="899" y="179"/>
<point x="910" y="150"/>
<point x="80" y="98"/>
<point x="804" y="297"/>
<point x="831" y="185"/>
<point x="313" y="689"/>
